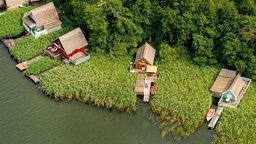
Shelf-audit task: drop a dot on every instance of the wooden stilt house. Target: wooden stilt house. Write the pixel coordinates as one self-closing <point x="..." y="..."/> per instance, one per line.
<point x="42" y="20"/>
<point x="72" y="46"/>
<point x="145" y="56"/>
<point x="229" y="87"/>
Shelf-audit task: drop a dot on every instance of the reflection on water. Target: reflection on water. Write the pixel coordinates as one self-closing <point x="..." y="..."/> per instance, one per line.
<point x="27" y="116"/>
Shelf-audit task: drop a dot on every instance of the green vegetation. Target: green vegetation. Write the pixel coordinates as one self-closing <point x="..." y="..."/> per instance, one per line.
<point x="182" y="96"/>
<point x="102" y="81"/>
<point x="214" y="32"/>
<point x="190" y="38"/>
<point x="238" y="125"/>
<point x="29" y="47"/>
<point x="41" y="65"/>
<point x="11" y="22"/>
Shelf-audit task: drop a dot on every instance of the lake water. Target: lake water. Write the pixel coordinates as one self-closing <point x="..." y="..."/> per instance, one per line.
<point x="27" y="116"/>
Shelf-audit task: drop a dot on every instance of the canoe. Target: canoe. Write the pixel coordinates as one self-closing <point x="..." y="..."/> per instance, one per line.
<point x="210" y="114"/>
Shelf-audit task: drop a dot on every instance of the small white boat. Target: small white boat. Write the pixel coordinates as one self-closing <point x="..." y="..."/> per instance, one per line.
<point x="210" y="114"/>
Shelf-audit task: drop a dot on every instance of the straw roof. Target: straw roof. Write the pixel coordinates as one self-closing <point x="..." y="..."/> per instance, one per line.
<point x="238" y="85"/>
<point x="73" y="40"/>
<point x="147" y="52"/>
<point x="223" y="81"/>
<point x="11" y="3"/>
<point x="45" y="14"/>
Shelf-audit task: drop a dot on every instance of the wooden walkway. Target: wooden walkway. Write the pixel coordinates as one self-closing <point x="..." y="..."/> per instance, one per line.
<point x="36" y="78"/>
<point x="215" y="118"/>
<point x="146" y="91"/>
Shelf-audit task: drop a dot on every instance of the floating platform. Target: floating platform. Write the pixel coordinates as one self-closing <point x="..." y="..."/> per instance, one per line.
<point x="215" y="118"/>
<point x="22" y="66"/>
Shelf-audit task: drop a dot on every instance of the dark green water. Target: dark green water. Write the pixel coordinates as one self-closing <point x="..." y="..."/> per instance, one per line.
<point x="27" y="116"/>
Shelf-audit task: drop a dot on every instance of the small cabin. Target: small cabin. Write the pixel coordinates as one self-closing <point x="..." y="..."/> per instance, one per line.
<point x="145" y="56"/>
<point x="72" y="46"/>
<point x="10" y="4"/>
<point x="42" y="20"/>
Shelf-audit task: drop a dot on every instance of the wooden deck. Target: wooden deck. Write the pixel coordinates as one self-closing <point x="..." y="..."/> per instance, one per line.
<point x="141" y="89"/>
<point x="54" y="55"/>
<point x="9" y="43"/>
<point x="215" y="118"/>
<point x="234" y="104"/>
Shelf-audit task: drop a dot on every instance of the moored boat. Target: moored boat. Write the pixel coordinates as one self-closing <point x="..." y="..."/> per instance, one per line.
<point x="210" y="114"/>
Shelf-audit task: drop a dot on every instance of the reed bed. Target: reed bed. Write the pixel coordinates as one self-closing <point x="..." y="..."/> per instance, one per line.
<point x="182" y="97"/>
<point x="102" y="81"/>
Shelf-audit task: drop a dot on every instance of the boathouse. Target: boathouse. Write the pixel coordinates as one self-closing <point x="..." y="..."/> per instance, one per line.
<point x="145" y="56"/>
<point x="72" y="46"/>
<point x="229" y="87"/>
<point x="42" y="20"/>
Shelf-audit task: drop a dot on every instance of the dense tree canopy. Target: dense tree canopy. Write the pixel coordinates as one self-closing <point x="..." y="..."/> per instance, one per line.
<point x="214" y="32"/>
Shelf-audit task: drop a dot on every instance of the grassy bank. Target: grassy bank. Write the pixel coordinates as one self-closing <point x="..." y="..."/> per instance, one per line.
<point x="182" y="96"/>
<point x="238" y="125"/>
<point x="102" y="81"/>
<point x="29" y="47"/>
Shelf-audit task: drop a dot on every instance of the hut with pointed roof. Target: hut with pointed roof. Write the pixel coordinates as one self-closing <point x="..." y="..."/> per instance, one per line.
<point x="144" y="56"/>
<point x="42" y="20"/>
<point x="229" y="87"/>
<point x="72" y="46"/>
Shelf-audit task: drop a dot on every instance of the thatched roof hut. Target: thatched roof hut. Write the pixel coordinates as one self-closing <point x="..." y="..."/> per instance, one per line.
<point x="44" y="15"/>
<point x="73" y="40"/>
<point x="145" y="56"/>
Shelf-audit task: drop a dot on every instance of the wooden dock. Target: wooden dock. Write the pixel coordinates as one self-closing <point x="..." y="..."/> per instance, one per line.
<point x="9" y="43"/>
<point x="147" y="91"/>
<point x="21" y="66"/>
<point x="143" y="85"/>
<point x="34" y="78"/>
<point x="215" y="118"/>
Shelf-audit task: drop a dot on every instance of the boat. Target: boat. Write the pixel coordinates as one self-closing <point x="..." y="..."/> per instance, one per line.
<point x="210" y="114"/>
